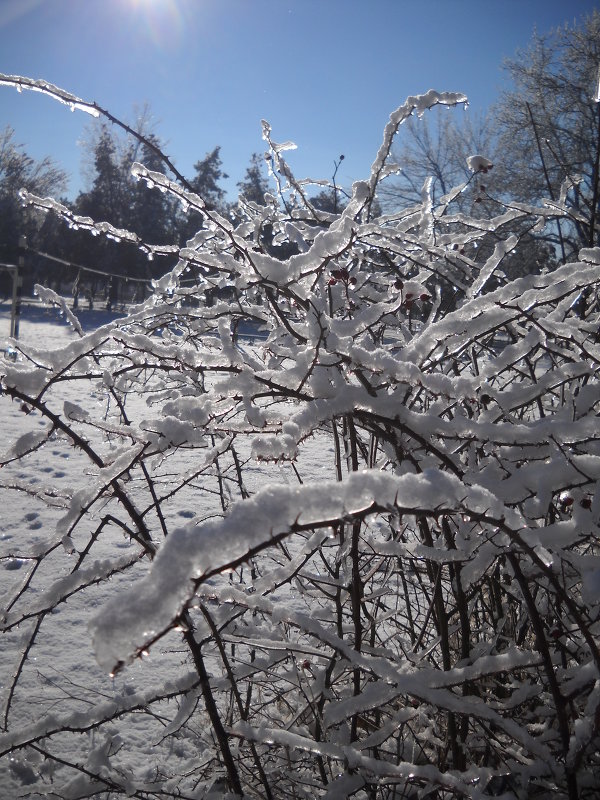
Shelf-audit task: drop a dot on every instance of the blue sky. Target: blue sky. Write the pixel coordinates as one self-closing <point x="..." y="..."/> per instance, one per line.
<point x="324" y="73"/>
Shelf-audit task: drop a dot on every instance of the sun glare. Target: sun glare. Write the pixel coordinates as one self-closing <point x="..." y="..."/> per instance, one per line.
<point x="161" y="21"/>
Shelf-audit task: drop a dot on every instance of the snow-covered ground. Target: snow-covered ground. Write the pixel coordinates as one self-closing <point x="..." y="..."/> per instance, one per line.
<point x="62" y="656"/>
<point x="60" y="674"/>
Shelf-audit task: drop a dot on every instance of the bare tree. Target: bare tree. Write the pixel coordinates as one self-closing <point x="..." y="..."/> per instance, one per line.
<point x="550" y="130"/>
<point x="436" y="146"/>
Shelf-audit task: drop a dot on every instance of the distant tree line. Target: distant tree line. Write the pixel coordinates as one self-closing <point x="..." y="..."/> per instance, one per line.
<point x="542" y="138"/>
<point x="114" y="197"/>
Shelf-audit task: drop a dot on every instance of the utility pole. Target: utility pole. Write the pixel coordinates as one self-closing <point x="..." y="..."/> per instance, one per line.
<point x="17" y="289"/>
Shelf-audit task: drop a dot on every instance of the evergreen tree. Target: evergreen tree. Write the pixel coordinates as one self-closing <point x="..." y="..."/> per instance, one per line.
<point x="109" y="197"/>
<point x="19" y="171"/>
<point x="115" y="197"/>
<point x="329" y="201"/>
<point x="209" y="172"/>
<point x="152" y="212"/>
<point x="109" y="200"/>
<point x="255" y="185"/>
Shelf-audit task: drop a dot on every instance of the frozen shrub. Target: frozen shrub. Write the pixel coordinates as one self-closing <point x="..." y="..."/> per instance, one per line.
<point x="389" y="586"/>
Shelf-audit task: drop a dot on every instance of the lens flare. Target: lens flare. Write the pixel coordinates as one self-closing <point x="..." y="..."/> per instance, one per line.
<point x="161" y="22"/>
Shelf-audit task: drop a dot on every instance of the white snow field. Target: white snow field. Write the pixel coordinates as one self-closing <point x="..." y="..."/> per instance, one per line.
<point x="61" y="674"/>
<point x="50" y="651"/>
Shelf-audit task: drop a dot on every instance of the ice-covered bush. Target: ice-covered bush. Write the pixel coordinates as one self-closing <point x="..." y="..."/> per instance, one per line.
<point x="356" y="472"/>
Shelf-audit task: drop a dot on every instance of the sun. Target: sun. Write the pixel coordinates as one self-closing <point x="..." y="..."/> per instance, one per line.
<point x="160" y="21"/>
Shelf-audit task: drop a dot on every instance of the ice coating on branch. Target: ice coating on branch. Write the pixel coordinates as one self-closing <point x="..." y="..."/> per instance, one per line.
<point x="295" y="235"/>
<point x="528" y="291"/>
<point x="490" y="266"/>
<point x="127" y="623"/>
<point x="61" y="588"/>
<point x="49" y="296"/>
<point x="23" y="378"/>
<point x="26" y="443"/>
<point x="120" y="463"/>
<point x="479" y="163"/>
<point x="419" y="104"/>
<point x="154" y="179"/>
<point x="76" y="221"/>
<point x="326" y="244"/>
<point x="283" y="446"/>
<point x="74" y="412"/>
<point x="279" y="147"/>
<point x="590" y="255"/>
<point x="88" y="719"/>
<point x="66" y="98"/>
